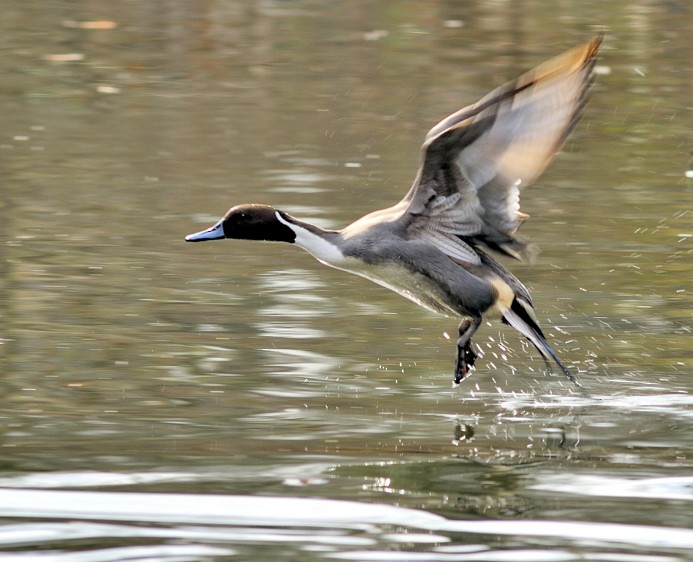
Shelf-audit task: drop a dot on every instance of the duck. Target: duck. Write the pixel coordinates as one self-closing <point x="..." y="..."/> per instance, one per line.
<point x="435" y="246"/>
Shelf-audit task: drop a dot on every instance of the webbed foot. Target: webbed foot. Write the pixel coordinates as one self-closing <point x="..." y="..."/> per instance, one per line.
<point x="465" y="354"/>
<point x="465" y="362"/>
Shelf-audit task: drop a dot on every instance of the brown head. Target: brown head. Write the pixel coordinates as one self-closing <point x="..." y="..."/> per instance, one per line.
<point x="248" y="222"/>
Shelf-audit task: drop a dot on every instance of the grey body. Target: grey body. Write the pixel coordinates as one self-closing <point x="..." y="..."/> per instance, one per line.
<point x="432" y="246"/>
<point x="386" y="253"/>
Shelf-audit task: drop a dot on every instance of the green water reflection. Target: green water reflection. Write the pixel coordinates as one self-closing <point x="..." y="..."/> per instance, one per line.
<point x="250" y="368"/>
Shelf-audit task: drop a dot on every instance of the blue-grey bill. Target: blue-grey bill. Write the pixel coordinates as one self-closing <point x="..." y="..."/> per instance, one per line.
<point x="214" y="233"/>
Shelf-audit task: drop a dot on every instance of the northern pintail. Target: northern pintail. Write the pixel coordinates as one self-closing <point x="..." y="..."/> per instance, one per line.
<point x="432" y="247"/>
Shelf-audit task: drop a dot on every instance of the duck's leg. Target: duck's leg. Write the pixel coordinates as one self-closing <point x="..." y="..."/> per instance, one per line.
<point x="465" y="353"/>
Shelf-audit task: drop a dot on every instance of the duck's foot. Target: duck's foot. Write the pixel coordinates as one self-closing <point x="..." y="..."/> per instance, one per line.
<point x="465" y="353"/>
<point x="465" y="362"/>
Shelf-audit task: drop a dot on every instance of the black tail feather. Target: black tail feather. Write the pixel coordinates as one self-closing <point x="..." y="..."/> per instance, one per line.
<point x="520" y="318"/>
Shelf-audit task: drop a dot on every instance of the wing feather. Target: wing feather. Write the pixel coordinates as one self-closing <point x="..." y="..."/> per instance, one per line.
<point x="478" y="159"/>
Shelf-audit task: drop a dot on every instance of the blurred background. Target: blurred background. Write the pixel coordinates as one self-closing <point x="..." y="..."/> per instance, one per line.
<point x="132" y="361"/>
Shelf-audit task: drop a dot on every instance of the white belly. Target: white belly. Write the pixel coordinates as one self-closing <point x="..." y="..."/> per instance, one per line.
<point x="413" y="286"/>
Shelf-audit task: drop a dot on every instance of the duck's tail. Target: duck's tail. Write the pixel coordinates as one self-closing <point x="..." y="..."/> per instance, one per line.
<point x="520" y="316"/>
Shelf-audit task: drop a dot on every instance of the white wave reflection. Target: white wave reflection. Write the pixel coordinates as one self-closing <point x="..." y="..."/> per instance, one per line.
<point x="670" y="403"/>
<point x="477" y="555"/>
<point x="283" y="281"/>
<point x="298" y="301"/>
<point x="280" y="514"/>
<point x="303" y="474"/>
<point x="161" y="553"/>
<point x="304" y="364"/>
<point x="291" y="329"/>
<point x="31" y="533"/>
<point x="208" y="509"/>
<point x="88" y="479"/>
<point x="671" y="488"/>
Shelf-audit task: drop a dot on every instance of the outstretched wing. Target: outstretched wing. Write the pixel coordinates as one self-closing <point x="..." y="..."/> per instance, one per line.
<point x="477" y="160"/>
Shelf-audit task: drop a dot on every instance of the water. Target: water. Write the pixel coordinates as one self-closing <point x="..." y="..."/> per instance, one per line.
<point x="171" y="401"/>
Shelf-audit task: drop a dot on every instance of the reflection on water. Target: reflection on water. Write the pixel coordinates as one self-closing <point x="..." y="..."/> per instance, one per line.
<point x="271" y="525"/>
<point x="240" y="376"/>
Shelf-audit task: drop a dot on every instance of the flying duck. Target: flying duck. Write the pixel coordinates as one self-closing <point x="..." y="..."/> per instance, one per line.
<point x="433" y="247"/>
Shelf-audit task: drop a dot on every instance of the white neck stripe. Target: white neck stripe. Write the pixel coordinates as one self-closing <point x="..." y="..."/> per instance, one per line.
<point x="313" y="243"/>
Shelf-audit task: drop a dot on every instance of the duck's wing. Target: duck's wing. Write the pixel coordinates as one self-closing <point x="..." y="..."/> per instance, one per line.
<point x="476" y="161"/>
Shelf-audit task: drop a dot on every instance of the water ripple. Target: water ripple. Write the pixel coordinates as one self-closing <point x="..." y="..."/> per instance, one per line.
<point x="672" y="488"/>
<point x="233" y="518"/>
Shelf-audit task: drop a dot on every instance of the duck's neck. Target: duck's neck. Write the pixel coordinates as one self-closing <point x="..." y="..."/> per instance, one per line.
<point x="322" y="244"/>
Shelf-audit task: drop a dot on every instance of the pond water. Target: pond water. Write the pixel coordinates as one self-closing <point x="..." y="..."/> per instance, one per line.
<point x="236" y="401"/>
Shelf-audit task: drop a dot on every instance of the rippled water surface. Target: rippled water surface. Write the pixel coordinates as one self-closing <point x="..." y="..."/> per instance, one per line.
<point x="239" y="401"/>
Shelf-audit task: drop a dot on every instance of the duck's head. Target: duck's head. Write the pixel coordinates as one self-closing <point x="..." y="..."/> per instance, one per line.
<point x="249" y="222"/>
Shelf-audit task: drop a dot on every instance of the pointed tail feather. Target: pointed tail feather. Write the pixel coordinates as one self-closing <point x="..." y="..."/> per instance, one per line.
<point x="521" y="317"/>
